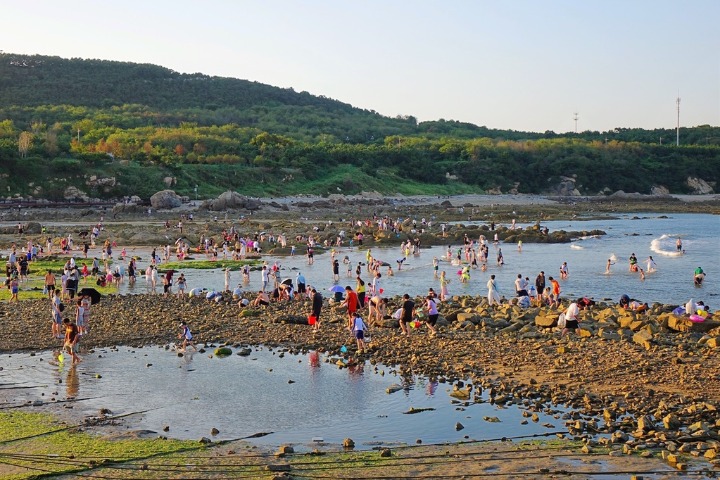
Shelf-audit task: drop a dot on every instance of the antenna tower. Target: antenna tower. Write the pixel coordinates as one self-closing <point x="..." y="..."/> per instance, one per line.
<point x="678" y="120"/>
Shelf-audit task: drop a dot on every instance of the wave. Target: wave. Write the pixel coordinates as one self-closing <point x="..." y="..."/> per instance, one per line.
<point x="577" y="247"/>
<point x="665" y="245"/>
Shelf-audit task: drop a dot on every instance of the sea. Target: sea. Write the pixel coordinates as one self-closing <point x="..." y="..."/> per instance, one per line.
<point x="645" y="235"/>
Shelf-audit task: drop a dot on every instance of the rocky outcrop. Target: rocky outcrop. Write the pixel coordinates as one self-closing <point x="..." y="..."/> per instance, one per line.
<point x="165" y="200"/>
<point x="699" y="186"/>
<point x="565" y="188"/>
<point x="231" y="201"/>
<point x="659" y="190"/>
<point x="75" y="194"/>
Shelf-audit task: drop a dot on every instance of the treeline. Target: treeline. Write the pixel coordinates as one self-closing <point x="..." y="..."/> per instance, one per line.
<point x="70" y="118"/>
<point x="529" y="166"/>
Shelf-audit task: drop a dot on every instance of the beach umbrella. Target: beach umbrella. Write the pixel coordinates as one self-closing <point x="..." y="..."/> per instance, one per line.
<point x="287" y="281"/>
<point x="336" y="289"/>
<point x="94" y="295"/>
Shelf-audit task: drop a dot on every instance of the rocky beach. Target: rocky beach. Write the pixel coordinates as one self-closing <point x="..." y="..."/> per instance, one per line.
<point x="638" y="384"/>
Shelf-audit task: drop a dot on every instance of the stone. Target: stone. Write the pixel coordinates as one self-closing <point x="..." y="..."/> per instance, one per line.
<point x="671" y="421"/>
<point x="643" y="338"/>
<point x="348" y="443"/>
<point x="546" y="321"/>
<point x="165" y="200"/>
<point x="385" y="452"/>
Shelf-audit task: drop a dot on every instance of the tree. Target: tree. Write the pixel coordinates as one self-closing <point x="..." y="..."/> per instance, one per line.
<point x="24" y="143"/>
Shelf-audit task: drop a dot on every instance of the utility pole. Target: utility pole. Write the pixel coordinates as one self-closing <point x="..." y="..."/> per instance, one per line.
<point x="575" y="117"/>
<point x="678" y="119"/>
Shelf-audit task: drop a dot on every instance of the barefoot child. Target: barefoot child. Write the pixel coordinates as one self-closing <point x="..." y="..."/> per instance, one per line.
<point x="187" y="337"/>
<point x="358" y="328"/>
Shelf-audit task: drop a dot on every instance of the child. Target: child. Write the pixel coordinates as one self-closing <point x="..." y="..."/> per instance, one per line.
<point x="357" y="326"/>
<point x="71" y="338"/>
<point x="187" y="337"/>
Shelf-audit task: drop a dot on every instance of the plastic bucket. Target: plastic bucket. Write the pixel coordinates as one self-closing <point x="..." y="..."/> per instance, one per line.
<point x="311" y="320"/>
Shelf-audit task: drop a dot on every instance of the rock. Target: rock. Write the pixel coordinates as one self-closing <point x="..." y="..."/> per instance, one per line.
<point x="223" y="351"/>
<point x="231" y="200"/>
<point x="74" y="194"/>
<point x="165" y="200"/>
<point x="348" y="443"/>
<point x="459" y="426"/>
<point x="278" y="467"/>
<point x="699" y="186"/>
<point x="643" y="337"/>
<point x="214" y="431"/>
<point x="385" y="452"/>
<point x="546" y="321"/>
<point x="286" y="449"/>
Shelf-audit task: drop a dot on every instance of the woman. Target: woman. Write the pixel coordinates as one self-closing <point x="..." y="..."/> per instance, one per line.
<point x="443" y="286"/>
<point x="432" y="314"/>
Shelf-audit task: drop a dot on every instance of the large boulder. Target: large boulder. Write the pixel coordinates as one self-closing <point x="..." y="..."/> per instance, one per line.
<point x="74" y="194"/>
<point x="165" y="200"/>
<point x="232" y="201"/>
<point x="699" y="186"/>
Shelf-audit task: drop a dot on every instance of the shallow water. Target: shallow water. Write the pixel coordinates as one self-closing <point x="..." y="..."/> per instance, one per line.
<point x="241" y="396"/>
<point x="586" y="257"/>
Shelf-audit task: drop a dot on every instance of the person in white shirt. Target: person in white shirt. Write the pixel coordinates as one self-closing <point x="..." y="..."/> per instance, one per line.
<point x="571" y="321"/>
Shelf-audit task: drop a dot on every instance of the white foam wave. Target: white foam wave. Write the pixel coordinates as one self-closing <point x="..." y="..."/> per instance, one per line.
<point x="577" y="247"/>
<point x="665" y="245"/>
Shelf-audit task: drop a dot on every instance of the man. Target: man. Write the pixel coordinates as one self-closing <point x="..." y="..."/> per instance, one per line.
<point x="408" y="309"/>
<point x="540" y="286"/>
<point x="520" y="286"/>
<point x="300" y="286"/>
<point x="571" y="322"/>
<point x="351" y="302"/>
<point x="317" y="303"/>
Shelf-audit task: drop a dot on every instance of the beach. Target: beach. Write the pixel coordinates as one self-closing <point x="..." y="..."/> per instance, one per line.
<point x="645" y="367"/>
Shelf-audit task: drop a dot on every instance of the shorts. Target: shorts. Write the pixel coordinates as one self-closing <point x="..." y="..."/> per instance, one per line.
<point x="15" y="290"/>
<point x="571" y="324"/>
<point x="301" y="288"/>
<point x="69" y="347"/>
<point x="166" y="288"/>
<point x="81" y="322"/>
<point x="57" y="318"/>
<point x="264" y="303"/>
<point x="432" y="319"/>
<point x="359" y="334"/>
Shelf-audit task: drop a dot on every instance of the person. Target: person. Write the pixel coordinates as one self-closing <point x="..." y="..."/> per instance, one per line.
<point x="651" y="265"/>
<point x="336" y="270"/>
<point x="699" y="276"/>
<point x="80" y="317"/>
<point x="262" y="299"/>
<point x="520" y="286"/>
<point x="317" y="303"/>
<point x="361" y="291"/>
<point x="181" y="284"/>
<point x="564" y="270"/>
<point x="500" y="259"/>
<point x="71" y="340"/>
<point x="432" y="314"/>
<point x="678" y="245"/>
<point x="633" y="263"/>
<point x="493" y="296"/>
<point x="555" y="292"/>
<point x="300" y="286"/>
<point x="186" y="336"/>
<point x="540" y="286"/>
<point x="400" y="262"/>
<point x="227" y="279"/>
<point x="624" y="301"/>
<point x="377" y="307"/>
<point x="408" y="309"/>
<point x="436" y="266"/>
<point x="14" y="288"/>
<point x="358" y="327"/>
<point x="443" y="286"/>
<point x="56" y="313"/>
<point x="608" y="265"/>
<point x="50" y="284"/>
<point x="571" y="321"/>
<point x="351" y="301"/>
<point x="265" y="276"/>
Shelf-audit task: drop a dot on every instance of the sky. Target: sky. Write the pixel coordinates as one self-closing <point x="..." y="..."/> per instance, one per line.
<point x="527" y="65"/>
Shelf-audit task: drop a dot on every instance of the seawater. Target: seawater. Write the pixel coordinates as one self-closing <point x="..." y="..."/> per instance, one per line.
<point x="301" y="399"/>
<point x="650" y="234"/>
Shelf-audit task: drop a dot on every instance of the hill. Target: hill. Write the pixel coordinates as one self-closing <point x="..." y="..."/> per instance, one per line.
<point x="137" y="127"/>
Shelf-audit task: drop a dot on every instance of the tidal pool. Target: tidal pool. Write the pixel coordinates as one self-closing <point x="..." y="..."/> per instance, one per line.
<point x="300" y="399"/>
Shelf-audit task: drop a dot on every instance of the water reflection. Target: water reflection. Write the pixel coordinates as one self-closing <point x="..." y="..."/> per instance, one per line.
<point x="72" y="382"/>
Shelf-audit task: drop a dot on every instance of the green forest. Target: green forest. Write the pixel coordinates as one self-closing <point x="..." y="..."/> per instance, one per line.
<point x="70" y="122"/>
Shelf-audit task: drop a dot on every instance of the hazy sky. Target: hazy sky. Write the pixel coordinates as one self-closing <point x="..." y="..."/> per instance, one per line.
<point x="523" y="65"/>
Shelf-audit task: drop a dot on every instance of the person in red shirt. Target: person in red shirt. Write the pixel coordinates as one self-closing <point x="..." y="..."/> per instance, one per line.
<point x="351" y="302"/>
<point x="555" y="293"/>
